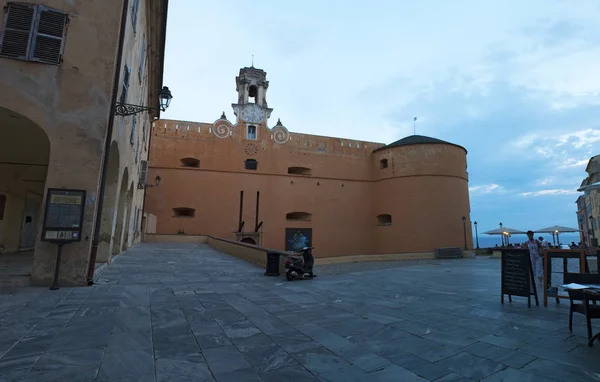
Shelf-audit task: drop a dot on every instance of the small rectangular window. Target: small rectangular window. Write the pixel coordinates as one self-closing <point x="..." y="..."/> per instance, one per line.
<point x="251" y="164"/>
<point x="184" y="212"/>
<point x="251" y="133"/>
<point x="33" y="33"/>
<point x="383" y="163"/>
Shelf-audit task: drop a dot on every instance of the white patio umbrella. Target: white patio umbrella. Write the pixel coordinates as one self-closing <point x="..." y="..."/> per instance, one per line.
<point x="556" y="230"/>
<point x="505" y="232"/>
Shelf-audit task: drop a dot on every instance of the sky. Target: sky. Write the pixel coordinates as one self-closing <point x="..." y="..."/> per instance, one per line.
<point x="517" y="83"/>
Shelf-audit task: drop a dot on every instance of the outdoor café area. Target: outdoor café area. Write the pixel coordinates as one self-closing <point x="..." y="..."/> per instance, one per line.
<point x="569" y="275"/>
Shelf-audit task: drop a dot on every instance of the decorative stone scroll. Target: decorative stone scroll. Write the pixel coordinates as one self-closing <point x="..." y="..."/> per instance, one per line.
<point x="280" y="134"/>
<point x="222" y="127"/>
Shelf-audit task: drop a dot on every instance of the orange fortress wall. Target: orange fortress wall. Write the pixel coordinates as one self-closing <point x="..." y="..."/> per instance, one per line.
<point x="339" y="188"/>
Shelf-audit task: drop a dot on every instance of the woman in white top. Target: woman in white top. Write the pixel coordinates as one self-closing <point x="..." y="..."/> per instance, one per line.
<point x="535" y="254"/>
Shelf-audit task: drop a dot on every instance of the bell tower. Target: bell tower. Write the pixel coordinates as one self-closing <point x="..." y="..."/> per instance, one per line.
<point x="251" y="86"/>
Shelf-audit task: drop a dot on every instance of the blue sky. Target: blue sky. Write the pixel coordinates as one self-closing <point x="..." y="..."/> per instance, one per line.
<point x="515" y="82"/>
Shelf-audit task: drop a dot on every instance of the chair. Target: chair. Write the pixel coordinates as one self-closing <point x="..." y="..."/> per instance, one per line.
<point x="576" y="296"/>
<point x="591" y="312"/>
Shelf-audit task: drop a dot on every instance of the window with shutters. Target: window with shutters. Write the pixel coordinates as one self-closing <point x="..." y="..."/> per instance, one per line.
<point x="142" y="61"/>
<point x="144" y="173"/>
<point x="125" y="84"/>
<point x="134" y="13"/>
<point x="33" y="33"/>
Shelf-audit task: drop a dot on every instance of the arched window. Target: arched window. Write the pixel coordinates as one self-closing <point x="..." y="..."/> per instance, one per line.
<point x="251" y="164"/>
<point x="253" y="94"/>
<point x="383" y="163"/>
<point x="190" y="162"/>
<point x="384" y="219"/>
<point x="299" y="170"/>
<point x="184" y="212"/>
<point x="302" y="216"/>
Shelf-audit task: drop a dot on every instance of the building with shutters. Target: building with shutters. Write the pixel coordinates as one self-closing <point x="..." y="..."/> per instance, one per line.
<point x="588" y="204"/>
<point x="250" y="180"/>
<point x="69" y="73"/>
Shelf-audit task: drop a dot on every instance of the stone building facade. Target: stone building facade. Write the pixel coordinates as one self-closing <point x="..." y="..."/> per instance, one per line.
<point x="588" y="204"/>
<point x="64" y="66"/>
<point x="259" y="183"/>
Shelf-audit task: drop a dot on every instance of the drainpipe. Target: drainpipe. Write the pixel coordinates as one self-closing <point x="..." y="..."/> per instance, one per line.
<point x="107" y="142"/>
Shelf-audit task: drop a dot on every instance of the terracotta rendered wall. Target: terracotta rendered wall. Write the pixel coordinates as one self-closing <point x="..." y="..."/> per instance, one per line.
<point x="425" y="190"/>
<point x="340" y="203"/>
<point x="344" y="193"/>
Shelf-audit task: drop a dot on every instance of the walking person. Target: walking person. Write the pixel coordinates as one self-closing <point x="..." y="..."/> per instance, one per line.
<point x="535" y="254"/>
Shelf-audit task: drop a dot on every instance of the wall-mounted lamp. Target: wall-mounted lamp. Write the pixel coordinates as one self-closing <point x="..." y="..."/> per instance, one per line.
<point x="125" y="109"/>
<point x="142" y="185"/>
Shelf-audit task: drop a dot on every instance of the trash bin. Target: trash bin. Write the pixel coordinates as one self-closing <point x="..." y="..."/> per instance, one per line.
<point x="272" y="267"/>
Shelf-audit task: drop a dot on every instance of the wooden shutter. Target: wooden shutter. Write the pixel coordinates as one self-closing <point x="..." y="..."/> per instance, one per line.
<point x="16" y="31"/>
<point x="144" y="175"/>
<point x="132" y="137"/>
<point x="134" y="13"/>
<point x="125" y="85"/>
<point x="142" y="60"/>
<point x="48" y="36"/>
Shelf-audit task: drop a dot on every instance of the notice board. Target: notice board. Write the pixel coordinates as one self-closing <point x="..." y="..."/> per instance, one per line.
<point x="63" y="217"/>
<point x="517" y="275"/>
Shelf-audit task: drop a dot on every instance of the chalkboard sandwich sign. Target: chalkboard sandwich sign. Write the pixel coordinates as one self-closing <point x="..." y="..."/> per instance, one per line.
<point x="517" y="275"/>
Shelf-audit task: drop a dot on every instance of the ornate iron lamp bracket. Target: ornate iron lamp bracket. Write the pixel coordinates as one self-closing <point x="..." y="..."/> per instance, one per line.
<point x="125" y="109"/>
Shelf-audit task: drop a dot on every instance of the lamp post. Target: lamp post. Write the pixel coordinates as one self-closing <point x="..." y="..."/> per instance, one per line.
<point x="464" y="219"/>
<point x="502" y="234"/>
<point x="476" y="235"/>
<point x="164" y="99"/>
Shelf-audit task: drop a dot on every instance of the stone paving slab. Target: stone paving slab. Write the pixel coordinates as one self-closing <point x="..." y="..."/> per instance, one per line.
<point x="177" y="312"/>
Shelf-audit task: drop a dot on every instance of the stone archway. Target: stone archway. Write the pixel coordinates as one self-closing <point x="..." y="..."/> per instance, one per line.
<point x="248" y="240"/>
<point x="109" y="206"/>
<point x="24" y="159"/>
<point x="126" y="242"/>
<point x="119" y="228"/>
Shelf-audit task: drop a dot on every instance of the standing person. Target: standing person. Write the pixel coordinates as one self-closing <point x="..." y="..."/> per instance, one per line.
<point x="544" y="244"/>
<point x="535" y="254"/>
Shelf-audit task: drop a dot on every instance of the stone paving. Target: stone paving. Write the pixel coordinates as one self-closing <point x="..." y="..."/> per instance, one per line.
<point x="170" y="312"/>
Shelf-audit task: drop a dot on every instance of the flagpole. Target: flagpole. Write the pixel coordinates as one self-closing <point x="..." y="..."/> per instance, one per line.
<point x="415" y="126"/>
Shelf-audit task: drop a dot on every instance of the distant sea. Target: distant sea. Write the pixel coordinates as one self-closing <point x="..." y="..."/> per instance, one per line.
<point x="487" y="241"/>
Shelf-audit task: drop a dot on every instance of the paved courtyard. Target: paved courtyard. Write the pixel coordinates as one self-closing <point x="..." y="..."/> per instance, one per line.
<point x="169" y="312"/>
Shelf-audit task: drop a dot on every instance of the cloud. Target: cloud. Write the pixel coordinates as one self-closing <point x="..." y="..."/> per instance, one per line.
<point x="517" y="85"/>
<point x="486" y="189"/>
<point x="553" y="192"/>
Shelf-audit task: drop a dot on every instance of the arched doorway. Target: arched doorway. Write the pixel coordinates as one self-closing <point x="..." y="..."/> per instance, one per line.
<point x="109" y="205"/>
<point x="121" y="214"/>
<point x="24" y="155"/>
<point x="248" y="240"/>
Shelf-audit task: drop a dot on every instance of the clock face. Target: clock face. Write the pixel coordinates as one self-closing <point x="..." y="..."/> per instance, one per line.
<point x="253" y="113"/>
<point x="251" y="149"/>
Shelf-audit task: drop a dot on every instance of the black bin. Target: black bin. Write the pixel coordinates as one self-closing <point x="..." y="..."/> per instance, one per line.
<point x="272" y="267"/>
